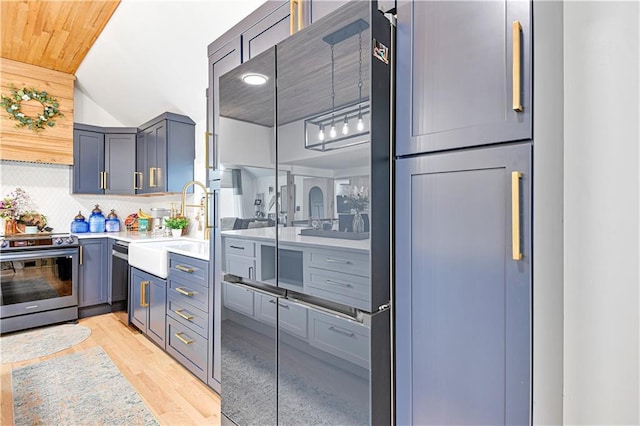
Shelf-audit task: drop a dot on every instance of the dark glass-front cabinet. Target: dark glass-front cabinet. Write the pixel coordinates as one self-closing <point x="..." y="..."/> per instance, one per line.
<point x="463" y="74"/>
<point x="463" y="287"/>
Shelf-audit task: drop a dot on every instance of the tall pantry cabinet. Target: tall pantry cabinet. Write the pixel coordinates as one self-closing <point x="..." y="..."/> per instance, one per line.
<point x="463" y="213"/>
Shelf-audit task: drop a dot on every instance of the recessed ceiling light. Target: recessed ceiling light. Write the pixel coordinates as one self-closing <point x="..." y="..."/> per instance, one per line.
<point x="254" y="79"/>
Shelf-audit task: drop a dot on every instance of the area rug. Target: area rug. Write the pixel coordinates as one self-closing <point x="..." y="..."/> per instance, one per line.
<point x="24" y="345"/>
<point x="78" y="389"/>
<point x="18" y="291"/>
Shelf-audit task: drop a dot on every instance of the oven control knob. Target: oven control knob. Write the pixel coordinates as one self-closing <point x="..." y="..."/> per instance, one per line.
<point x="69" y="240"/>
<point x="57" y="241"/>
<point x="4" y="243"/>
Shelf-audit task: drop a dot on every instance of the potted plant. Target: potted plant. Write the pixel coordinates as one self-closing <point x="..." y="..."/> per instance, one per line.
<point x="176" y="224"/>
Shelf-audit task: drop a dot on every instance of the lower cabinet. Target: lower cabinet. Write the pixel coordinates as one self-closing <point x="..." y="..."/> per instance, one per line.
<point x="93" y="288"/>
<point x="188" y="315"/>
<point x="148" y="305"/>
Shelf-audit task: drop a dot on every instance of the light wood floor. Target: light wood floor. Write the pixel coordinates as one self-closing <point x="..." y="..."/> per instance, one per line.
<point x="173" y="395"/>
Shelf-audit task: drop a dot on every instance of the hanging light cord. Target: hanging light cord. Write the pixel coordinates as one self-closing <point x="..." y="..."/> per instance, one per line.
<point x="333" y="92"/>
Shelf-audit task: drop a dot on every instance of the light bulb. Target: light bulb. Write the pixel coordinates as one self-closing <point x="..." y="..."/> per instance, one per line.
<point x="332" y="131"/>
<point x="360" y="125"/>
<point x="345" y="126"/>
<point x="321" y="133"/>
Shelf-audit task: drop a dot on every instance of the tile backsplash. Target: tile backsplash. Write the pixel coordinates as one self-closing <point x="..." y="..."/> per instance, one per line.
<point x="49" y="187"/>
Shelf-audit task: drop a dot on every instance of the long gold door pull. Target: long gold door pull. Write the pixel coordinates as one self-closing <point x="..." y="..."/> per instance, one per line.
<point x="152" y="177"/>
<point x="515" y="215"/>
<point x="135" y="185"/>
<point x="295" y="16"/>
<point x="143" y="293"/>
<point x="185" y="292"/>
<point x="185" y="316"/>
<point x="207" y="165"/>
<point x="516" y="29"/>
<point x="185" y="269"/>
<point x="182" y="339"/>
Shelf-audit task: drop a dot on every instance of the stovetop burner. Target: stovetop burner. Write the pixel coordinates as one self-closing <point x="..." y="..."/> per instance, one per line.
<point x="41" y="240"/>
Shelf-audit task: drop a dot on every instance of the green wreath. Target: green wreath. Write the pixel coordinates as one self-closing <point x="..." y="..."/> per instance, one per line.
<point x="13" y="105"/>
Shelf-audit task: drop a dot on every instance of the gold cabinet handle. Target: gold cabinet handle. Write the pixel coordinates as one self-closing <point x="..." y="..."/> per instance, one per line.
<point x="185" y="292"/>
<point x="182" y="339"/>
<point x="295" y="14"/>
<point x="516" y="29"/>
<point x="104" y="177"/>
<point x="143" y="293"/>
<point x="158" y="176"/>
<point x="515" y="215"/>
<point x="101" y="180"/>
<point x="185" y="269"/>
<point x="187" y="317"/>
<point x="152" y="180"/>
<point x="207" y="165"/>
<point x="80" y="255"/>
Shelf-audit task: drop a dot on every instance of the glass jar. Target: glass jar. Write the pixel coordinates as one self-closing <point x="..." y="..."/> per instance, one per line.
<point x="79" y="224"/>
<point x="96" y="220"/>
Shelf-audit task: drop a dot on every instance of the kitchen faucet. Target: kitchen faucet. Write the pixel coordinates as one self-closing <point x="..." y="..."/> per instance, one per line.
<point x="206" y="204"/>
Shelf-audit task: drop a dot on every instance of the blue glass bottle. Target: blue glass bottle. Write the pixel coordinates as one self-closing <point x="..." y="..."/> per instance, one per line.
<point x="96" y="220"/>
<point x="79" y="225"/>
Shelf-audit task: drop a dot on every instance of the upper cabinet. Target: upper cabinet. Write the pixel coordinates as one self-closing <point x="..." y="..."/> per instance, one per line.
<point x="463" y="74"/>
<point x="165" y="152"/>
<point x="104" y="160"/>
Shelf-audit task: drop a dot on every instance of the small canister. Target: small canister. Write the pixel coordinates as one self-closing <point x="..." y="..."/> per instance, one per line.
<point x="112" y="224"/>
<point x="96" y="220"/>
<point x="79" y="225"/>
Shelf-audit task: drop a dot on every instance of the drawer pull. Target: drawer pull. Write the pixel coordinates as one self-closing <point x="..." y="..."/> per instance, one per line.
<point x="340" y="331"/>
<point x="338" y="283"/>
<point x="282" y="305"/>
<point x="182" y="339"/>
<point x="187" y="317"/>
<point x="344" y="262"/>
<point x="185" y="269"/>
<point x="237" y="247"/>
<point x="272" y="301"/>
<point x="185" y="292"/>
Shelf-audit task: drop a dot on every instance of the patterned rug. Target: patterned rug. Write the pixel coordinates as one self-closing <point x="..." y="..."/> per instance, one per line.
<point x="80" y="388"/>
<point x="24" y="345"/>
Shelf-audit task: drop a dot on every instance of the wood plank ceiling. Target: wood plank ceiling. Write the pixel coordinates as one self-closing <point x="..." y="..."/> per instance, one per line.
<point x="52" y="34"/>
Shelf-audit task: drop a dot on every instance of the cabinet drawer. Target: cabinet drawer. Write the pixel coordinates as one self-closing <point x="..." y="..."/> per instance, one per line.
<point x="244" y="267"/>
<point x="266" y="308"/>
<point x="341" y="261"/>
<point x="238" y="298"/>
<point x="341" y="337"/>
<point x="352" y="290"/>
<point x="188" y="315"/>
<point x="189" y="293"/>
<point x="189" y="348"/>
<point x="293" y="318"/>
<point x="188" y="268"/>
<point x="239" y="247"/>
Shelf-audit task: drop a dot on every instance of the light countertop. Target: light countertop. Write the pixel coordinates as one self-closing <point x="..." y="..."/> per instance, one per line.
<point x="291" y="235"/>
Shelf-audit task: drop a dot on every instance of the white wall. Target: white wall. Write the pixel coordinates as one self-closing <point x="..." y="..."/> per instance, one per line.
<point x="601" y="187"/>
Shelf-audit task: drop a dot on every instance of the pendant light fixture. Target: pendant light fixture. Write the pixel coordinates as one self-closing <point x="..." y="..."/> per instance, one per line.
<point x="359" y="110"/>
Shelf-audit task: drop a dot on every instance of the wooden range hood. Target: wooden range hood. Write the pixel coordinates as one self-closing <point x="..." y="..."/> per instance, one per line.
<point x="43" y="44"/>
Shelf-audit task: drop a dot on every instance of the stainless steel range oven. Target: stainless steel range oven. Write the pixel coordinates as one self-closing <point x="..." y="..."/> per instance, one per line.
<point x="38" y="280"/>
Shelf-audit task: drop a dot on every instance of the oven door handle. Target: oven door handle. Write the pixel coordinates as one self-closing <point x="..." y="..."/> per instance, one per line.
<point x="119" y="255"/>
<point x="38" y="254"/>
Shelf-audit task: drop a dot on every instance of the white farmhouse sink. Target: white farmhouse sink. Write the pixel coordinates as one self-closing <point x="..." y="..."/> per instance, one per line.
<point x="153" y="256"/>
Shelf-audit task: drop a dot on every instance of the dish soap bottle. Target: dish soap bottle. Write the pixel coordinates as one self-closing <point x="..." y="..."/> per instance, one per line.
<point x="96" y="220"/>
<point x="79" y="225"/>
<point x="112" y="224"/>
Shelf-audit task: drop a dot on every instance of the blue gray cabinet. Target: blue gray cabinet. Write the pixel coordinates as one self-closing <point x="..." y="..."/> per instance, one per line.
<point x="93" y="272"/>
<point x="188" y="315"/>
<point x="147" y="305"/>
<point x="104" y="160"/>
<point x="463" y="287"/>
<point x="463" y="74"/>
<point x="88" y="161"/>
<point x="165" y="151"/>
